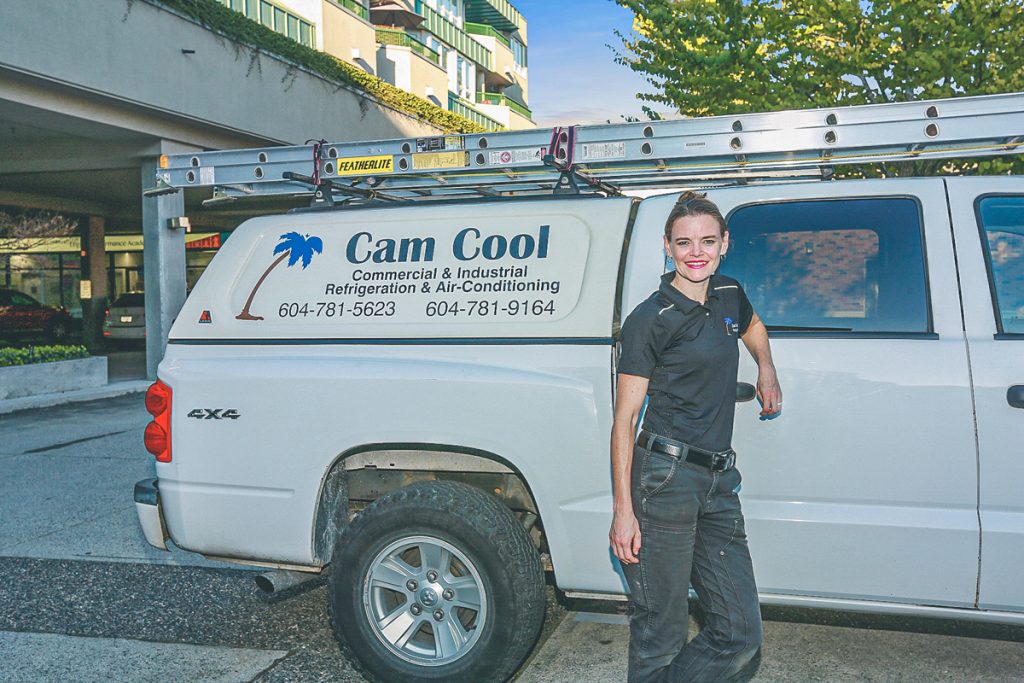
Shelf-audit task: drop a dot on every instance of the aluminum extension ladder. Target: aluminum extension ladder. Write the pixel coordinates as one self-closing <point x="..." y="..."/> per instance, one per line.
<point x="607" y="158"/>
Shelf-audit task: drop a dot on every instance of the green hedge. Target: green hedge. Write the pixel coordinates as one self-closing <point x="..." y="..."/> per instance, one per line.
<point x="40" y="354"/>
<point x="237" y="27"/>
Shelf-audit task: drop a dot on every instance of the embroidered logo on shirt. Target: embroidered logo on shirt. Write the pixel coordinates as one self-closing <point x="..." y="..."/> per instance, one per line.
<point x="731" y="327"/>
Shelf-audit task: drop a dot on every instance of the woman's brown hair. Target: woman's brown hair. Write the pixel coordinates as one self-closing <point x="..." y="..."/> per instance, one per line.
<point x="692" y="203"/>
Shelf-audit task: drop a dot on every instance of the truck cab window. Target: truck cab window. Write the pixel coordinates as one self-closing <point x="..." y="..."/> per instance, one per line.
<point x="1002" y="220"/>
<point x="846" y="265"/>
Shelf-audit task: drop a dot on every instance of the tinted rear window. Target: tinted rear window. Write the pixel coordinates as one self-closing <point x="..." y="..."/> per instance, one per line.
<point x="1003" y="221"/>
<point x="848" y="265"/>
<point x="131" y="299"/>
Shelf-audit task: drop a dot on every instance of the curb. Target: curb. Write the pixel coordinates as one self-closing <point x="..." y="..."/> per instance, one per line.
<point x="47" y="400"/>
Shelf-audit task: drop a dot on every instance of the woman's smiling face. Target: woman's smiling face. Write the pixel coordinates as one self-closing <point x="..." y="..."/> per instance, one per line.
<point x="696" y="247"/>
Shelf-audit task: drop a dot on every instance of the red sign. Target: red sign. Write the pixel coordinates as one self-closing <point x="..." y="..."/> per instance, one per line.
<point x="211" y="242"/>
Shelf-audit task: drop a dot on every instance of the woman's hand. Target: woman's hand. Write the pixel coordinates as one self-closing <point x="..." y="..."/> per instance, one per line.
<point x="625" y="531"/>
<point x="769" y="393"/>
<point x="625" y="537"/>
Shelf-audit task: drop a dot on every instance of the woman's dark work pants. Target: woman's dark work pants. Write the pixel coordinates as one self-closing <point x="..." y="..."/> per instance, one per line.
<point x="691" y="531"/>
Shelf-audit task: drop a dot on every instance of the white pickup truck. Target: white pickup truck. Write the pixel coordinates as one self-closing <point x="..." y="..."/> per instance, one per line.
<point x="418" y="399"/>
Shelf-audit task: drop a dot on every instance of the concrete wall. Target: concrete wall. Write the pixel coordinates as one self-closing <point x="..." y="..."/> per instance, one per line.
<point x="426" y="74"/>
<point x="394" y="67"/>
<point x="503" y="62"/>
<point x="18" y="381"/>
<point x="404" y="68"/>
<point x="343" y="31"/>
<point x="506" y="116"/>
<point x="521" y="76"/>
<point x="517" y="121"/>
<point x="149" y="59"/>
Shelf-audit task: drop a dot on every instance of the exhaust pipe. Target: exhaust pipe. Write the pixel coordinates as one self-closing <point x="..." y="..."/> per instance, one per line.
<point x="280" y="580"/>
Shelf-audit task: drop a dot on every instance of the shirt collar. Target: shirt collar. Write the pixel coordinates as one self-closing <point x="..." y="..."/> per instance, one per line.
<point x="680" y="300"/>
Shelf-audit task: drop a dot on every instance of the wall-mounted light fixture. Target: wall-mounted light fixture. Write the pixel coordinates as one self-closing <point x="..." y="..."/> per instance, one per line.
<point x="179" y="223"/>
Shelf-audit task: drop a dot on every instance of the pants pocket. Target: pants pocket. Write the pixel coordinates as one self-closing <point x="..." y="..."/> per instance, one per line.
<point x="658" y="470"/>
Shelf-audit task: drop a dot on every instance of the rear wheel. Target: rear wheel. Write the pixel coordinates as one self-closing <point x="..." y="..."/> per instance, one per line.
<point x="57" y="331"/>
<point x="437" y="581"/>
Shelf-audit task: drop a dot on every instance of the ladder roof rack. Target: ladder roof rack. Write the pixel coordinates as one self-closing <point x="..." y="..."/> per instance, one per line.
<point x="707" y="151"/>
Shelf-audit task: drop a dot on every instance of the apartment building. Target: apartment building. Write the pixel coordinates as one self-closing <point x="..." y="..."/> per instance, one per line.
<point x="465" y="56"/>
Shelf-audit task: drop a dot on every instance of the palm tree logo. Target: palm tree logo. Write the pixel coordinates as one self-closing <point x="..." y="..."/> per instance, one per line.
<point x="295" y="248"/>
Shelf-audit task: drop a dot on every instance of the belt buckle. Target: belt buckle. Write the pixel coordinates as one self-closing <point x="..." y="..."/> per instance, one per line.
<point x="723" y="462"/>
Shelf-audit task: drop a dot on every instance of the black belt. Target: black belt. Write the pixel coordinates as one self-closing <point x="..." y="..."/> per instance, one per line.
<point x="716" y="462"/>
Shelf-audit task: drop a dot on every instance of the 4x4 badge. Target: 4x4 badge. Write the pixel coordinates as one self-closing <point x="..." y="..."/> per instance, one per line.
<point x="214" y="414"/>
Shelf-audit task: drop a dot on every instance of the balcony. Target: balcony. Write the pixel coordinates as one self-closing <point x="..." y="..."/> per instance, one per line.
<point x="461" y="107"/>
<point x="454" y="36"/>
<point x="485" y="30"/>
<point x="390" y="36"/>
<point x="276" y="19"/>
<point x="356" y="7"/>
<point x="500" y="100"/>
<point x="498" y="13"/>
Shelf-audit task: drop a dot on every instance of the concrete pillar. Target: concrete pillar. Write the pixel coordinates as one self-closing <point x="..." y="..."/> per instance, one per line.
<point x="163" y="261"/>
<point x="94" y="267"/>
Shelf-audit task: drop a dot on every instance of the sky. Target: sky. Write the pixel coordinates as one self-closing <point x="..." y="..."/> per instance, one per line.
<point x="573" y="75"/>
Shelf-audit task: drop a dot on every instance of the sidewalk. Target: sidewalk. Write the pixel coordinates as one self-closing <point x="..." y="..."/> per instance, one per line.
<point x="592" y="647"/>
<point x="47" y="400"/>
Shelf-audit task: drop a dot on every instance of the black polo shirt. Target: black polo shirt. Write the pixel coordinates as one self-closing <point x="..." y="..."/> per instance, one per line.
<point x="690" y="353"/>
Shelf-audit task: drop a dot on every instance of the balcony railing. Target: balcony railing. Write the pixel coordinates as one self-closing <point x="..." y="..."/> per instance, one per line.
<point x="463" y="108"/>
<point x="455" y="36"/>
<point x="355" y="6"/>
<point x="485" y="30"/>
<point x="276" y="19"/>
<point x="390" y="36"/>
<point x="500" y="13"/>
<point x="503" y="101"/>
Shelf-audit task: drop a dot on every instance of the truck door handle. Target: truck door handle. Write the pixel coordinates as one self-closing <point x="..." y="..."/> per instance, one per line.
<point x="745" y="392"/>
<point x="1015" y="396"/>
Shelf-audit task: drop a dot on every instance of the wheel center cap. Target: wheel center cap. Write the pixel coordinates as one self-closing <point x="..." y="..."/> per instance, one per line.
<point x="428" y="597"/>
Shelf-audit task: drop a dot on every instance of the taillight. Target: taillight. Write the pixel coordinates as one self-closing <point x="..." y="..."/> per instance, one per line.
<point x="158" y="432"/>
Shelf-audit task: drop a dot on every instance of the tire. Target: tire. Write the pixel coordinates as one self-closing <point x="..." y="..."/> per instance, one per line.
<point x="57" y="331"/>
<point x="429" y="555"/>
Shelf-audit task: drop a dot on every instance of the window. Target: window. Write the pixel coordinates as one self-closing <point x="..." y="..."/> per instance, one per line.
<point x="131" y="300"/>
<point x="1002" y="220"/>
<point x="19" y="299"/>
<point x="518" y="53"/>
<point x="849" y="265"/>
<point x="50" y="278"/>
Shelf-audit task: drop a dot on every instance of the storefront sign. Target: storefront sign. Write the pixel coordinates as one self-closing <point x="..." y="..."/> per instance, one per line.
<point x="112" y="243"/>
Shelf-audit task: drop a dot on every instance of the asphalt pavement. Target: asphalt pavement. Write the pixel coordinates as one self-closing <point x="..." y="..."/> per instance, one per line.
<point x="84" y="598"/>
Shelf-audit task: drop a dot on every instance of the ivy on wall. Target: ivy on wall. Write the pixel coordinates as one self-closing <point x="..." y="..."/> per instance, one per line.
<point x="259" y="38"/>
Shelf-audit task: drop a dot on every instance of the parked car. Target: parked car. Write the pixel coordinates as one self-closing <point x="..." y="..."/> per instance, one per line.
<point x="126" y="318"/>
<point x="21" y="317"/>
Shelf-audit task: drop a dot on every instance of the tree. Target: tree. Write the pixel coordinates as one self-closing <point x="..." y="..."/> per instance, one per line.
<point x="25" y="230"/>
<point x="295" y="248"/>
<point x="709" y="57"/>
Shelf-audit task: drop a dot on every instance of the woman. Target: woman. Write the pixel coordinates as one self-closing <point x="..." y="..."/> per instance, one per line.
<point x="677" y="517"/>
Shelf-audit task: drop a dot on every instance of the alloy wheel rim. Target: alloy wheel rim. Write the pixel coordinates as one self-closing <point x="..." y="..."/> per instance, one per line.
<point x="425" y="600"/>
